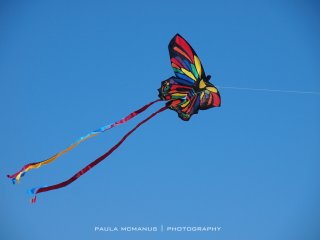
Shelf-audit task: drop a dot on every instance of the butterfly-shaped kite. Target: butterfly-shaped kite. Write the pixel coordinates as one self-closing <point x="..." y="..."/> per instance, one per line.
<point x="187" y="92"/>
<point x="190" y="90"/>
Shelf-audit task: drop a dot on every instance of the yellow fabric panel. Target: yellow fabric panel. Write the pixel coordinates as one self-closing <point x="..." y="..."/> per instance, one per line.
<point x="178" y="94"/>
<point x="185" y="104"/>
<point x="212" y="89"/>
<point x="202" y="84"/>
<point x="198" y="65"/>
<point x="189" y="74"/>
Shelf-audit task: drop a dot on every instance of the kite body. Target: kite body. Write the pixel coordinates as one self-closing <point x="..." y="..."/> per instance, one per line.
<point x="186" y="93"/>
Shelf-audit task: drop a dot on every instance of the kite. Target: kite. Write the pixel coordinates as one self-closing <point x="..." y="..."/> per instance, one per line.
<point x="185" y="93"/>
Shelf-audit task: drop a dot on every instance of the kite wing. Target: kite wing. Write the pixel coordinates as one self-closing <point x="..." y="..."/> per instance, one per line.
<point x="184" y="60"/>
<point x="181" y="97"/>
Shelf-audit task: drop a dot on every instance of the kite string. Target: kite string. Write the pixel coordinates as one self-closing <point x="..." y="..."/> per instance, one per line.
<point x="16" y="177"/>
<point x="36" y="191"/>
<point x="269" y="90"/>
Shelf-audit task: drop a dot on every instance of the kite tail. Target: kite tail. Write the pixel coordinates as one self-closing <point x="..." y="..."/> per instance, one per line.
<point x="36" y="191"/>
<point x="16" y="177"/>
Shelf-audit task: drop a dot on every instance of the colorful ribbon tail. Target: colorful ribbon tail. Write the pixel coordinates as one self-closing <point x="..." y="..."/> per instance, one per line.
<point x="36" y="191"/>
<point x="16" y="176"/>
<point x="32" y="192"/>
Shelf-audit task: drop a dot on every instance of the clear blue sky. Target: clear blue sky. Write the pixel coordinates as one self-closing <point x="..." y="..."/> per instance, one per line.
<point x="251" y="166"/>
